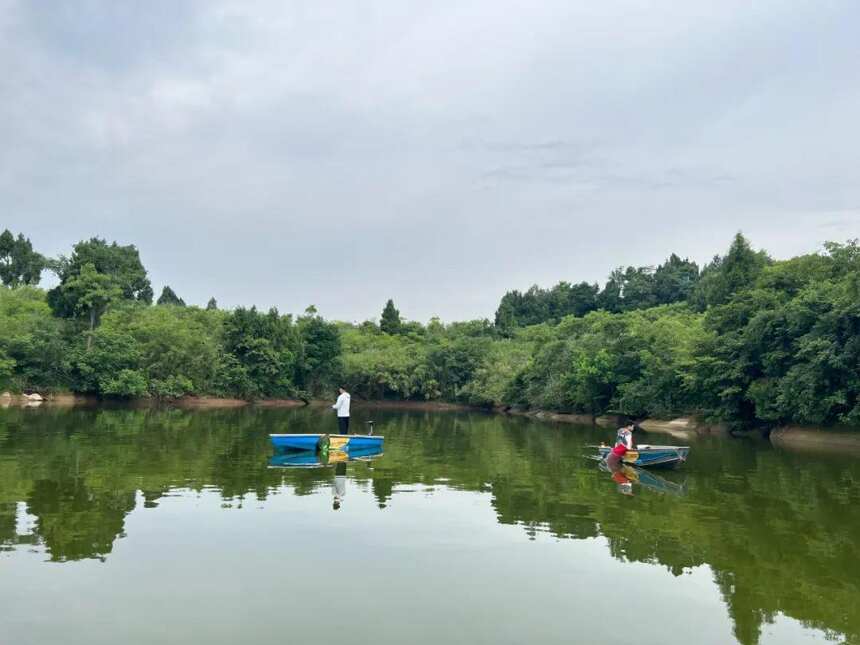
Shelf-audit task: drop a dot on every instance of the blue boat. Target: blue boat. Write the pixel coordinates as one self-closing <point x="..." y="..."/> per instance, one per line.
<point x="652" y="456"/>
<point x="345" y="442"/>
<point x="314" y="459"/>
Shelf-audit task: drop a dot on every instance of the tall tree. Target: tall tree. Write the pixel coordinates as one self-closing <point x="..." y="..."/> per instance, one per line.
<point x="92" y="292"/>
<point x="637" y="291"/>
<point x="121" y="264"/>
<point x="390" y="322"/>
<point x="506" y="314"/>
<point x="169" y="297"/>
<point x="726" y="276"/>
<point x="318" y="364"/>
<point x="675" y="279"/>
<point x="19" y="263"/>
<point x="212" y="305"/>
<point x="609" y="299"/>
<point x="578" y="299"/>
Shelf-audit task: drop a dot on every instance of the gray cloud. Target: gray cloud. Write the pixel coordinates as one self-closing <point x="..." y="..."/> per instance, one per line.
<point x="282" y="154"/>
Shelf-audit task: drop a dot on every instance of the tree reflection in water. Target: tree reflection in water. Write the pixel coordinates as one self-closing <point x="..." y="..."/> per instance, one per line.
<point x="779" y="530"/>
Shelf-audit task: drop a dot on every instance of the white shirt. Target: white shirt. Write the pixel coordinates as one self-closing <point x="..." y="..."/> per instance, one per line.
<point x="342" y="405"/>
<point x="624" y="437"/>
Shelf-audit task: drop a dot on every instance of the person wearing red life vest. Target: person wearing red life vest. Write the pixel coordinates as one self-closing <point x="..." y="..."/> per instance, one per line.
<point x="623" y="443"/>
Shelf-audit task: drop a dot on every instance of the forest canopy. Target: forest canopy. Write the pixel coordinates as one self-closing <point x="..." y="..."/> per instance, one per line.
<point x="746" y="339"/>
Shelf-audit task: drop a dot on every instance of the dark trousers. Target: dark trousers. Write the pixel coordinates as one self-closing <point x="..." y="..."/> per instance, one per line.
<point x="343" y="425"/>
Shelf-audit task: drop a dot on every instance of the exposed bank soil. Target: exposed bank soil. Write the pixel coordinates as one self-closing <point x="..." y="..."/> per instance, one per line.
<point x="279" y="403"/>
<point x="829" y="440"/>
<point x="817" y="440"/>
<point x="70" y="400"/>
<point x="214" y="403"/>
<point x="211" y="402"/>
<point x="543" y="415"/>
<point x="57" y="400"/>
<point x="682" y="427"/>
<point x="207" y="402"/>
<point x="421" y="406"/>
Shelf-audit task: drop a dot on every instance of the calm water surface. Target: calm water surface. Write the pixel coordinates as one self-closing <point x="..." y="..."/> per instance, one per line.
<point x="169" y="526"/>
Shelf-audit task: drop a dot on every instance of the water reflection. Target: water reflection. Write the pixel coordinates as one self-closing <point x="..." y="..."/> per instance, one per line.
<point x="321" y="459"/>
<point x="325" y="459"/>
<point x="338" y="489"/>
<point x="625" y="476"/>
<point x="778" y="530"/>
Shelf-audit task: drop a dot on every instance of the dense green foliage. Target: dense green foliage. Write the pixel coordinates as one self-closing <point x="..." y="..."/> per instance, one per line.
<point x="625" y="290"/>
<point x="540" y="305"/>
<point x="748" y="341"/>
<point x="632" y="363"/>
<point x="19" y="263"/>
<point x="115" y="270"/>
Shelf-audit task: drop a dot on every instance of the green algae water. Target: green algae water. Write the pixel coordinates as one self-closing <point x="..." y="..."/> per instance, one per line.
<point x="172" y="526"/>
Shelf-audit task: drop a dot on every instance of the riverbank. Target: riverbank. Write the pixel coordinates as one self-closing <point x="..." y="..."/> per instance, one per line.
<point x="214" y="403"/>
<point x="681" y="427"/>
<point x="796" y="438"/>
<point x="822" y="440"/>
<point x="836" y="440"/>
<point x="8" y="399"/>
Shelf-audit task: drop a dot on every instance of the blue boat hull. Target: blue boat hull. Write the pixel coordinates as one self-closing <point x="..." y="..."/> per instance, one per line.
<point x="655" y="456"/>
<point x="347" y="443"/>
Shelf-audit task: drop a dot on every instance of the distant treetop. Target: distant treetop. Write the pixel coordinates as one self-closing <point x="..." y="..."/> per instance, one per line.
<point x="169" y="297"/>
<point x="390" y="321"/>
<point x="19" y="263"/>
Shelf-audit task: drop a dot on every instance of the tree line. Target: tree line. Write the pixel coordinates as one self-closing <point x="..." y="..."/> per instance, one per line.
<point x="632" y="288"/>
<point x="747" y="340"/>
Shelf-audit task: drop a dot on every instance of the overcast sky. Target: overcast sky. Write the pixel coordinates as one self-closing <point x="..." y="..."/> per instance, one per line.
<point x="440" y="153"/>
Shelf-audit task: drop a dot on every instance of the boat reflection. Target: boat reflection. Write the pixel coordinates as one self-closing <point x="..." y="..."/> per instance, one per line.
<point x="625" y="476"/>
<point x="321" y="459"/>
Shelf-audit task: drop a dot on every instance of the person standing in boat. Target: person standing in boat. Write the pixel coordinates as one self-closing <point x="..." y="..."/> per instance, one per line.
<point x="342" y="407"/>
<point x="623" y="443"/>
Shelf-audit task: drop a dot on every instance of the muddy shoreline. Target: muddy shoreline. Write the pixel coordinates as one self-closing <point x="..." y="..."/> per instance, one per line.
<point x="843" y="441"/>
<point x="831" y="440"/>
<point x="215" y="403"/>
